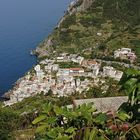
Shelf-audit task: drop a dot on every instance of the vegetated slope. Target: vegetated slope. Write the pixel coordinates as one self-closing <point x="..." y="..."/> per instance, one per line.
<point x="100" y="29"/>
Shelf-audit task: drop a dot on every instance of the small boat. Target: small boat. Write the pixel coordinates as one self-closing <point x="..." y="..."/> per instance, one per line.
<point x="32" y="52"/>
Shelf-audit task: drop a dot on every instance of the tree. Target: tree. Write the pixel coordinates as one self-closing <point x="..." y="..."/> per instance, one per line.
<point x="131" y="86"/>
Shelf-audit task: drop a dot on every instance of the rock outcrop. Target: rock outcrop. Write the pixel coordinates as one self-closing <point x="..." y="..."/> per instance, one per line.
<point x="86" y="4"/>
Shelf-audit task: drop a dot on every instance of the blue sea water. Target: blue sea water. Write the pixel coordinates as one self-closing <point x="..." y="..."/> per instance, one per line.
<point x="23" y="25"/>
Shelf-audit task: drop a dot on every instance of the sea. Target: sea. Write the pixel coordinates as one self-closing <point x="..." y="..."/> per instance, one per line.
<point x="23" y="25"/>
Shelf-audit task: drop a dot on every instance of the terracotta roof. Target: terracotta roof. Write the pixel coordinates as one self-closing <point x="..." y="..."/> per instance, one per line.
<point x="76" y="69"/>
<point x="91" y="62"/>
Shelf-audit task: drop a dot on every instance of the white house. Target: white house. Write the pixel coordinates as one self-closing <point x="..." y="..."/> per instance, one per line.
<point x="119" y="75"/>
<point x="78" y="59"/>
<point x="76" y="70"/>
<point x="40" y="74"/>
<point x="111" y="72"/>
<point x="37" y="68"/>
<point x="125" y="53"/>
<point x="96" y="70"/>
<point x="55" y="67"/>
<point x="122" y="51"/>
<point x="63" y="72"/>
<point x="108" y="71"/>
<point x="60" y="59"/>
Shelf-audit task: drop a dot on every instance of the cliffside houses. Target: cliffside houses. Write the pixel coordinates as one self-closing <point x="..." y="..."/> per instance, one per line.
<point x="61" y="81"/>
<point x="125" y="53"/>
<point x="41" y="82"/>
<point x="70" y="58"/>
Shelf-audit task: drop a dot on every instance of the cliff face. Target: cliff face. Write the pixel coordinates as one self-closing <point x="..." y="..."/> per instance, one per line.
<point x="86" y="4"/>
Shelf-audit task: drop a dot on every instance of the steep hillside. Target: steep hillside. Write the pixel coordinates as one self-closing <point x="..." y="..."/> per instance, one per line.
<point x="98" y="28"/>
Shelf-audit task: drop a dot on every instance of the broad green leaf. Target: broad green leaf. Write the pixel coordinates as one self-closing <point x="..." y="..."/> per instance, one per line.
<point x="71" y="130"/>
<point x="130" y="85"/>
<point x="59" y="129"/>
<point x="93" y="134"/>
<point x="39" y="119"/>
<point x="41" y="129"/>
<point x="132" y="72"/>
<point x="88" y="108"/>
<point x="58" y="110"/>
<point x="47" y="108"/>
<point x="101" y="118"/>
<point x="138" y="92"/>
<point x="86" y="134"/>
<point x="51" y="120"/>
<point x="52" y="133"/>
<point x="123" y="116"/>
<point x="123" y="79"/>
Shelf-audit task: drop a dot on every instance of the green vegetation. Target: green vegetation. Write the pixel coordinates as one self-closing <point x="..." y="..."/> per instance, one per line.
<point x="84" y="123"/>
<point x="117" y="21"/>
<point x="82" y="78"/>
<point x="94" y="33"/>
<point x="81" y="124"/>
<point x="136" y="44"/>
<point x="68" y="65"/>
<point x="9" y="121"/>
<point x="131" y="86"/>
<point x="20" y="115"/>
<point x="55" y="121"/>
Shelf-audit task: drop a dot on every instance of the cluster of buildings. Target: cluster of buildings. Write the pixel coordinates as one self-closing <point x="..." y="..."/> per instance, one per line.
<point x="125" y="53"/>
<point x="65" y="57"/>
<point x="48" y="76"/>
<point x="111" y="72"/>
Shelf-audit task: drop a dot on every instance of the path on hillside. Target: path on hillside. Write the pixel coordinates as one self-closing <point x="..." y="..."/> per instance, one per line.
<point x="120" y="63"/>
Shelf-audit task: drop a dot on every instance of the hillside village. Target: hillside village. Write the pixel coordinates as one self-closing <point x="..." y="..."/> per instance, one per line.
<point x="48" y="76"/>
<point x="85" y="84"/>
<point x="68" y="73"/>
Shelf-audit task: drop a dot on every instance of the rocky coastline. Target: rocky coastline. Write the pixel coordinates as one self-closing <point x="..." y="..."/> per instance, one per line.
<point x="39" y="51"/>
<point x="74" y="6"/>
